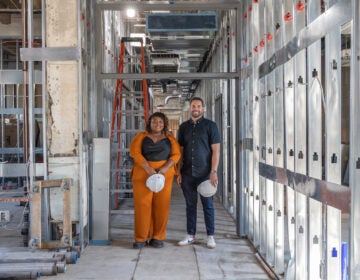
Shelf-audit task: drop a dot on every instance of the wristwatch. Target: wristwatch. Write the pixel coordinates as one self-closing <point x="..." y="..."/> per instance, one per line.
<point x="213" y="171"/>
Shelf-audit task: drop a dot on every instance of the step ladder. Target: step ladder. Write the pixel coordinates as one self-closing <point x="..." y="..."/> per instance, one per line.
<point x="129" y="115"/>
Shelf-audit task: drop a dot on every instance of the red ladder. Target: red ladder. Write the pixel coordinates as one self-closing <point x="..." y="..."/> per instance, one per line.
<point x="118" y="110"/>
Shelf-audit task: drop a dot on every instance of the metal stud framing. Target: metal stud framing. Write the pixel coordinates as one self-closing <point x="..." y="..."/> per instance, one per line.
<point x="296" y="111"/>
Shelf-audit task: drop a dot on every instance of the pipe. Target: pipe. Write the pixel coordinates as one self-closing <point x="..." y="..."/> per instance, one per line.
<point x="72" y="256"/>
<point x="26" y="125"/>
<point x="33" y="259"/>
<point x="60" y="267"/>
<point x="171" y="97"/>
<point x="20" y="275"/>
<point x="45" y="269"/>
<point x="265" y="266"/>
<point x="68" y="257"/>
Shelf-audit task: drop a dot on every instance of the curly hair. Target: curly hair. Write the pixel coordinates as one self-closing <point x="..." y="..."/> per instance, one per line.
<point x="161" y="116"/>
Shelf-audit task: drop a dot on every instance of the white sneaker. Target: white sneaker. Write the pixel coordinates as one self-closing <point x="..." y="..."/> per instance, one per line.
<point x="189" y="239"/>
<point x="211" y="242"/>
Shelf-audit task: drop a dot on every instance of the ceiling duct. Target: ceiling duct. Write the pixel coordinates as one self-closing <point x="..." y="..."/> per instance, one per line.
<point x="179" y="43"/>
<point x="181" y="22"/>
<point x="165" y="62"/>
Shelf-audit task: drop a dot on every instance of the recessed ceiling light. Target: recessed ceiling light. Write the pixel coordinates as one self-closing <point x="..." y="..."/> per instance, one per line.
<point x="130" y="13"/>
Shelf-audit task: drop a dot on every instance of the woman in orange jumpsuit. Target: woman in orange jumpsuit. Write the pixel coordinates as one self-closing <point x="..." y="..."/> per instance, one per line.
<point x="153" y="151"/>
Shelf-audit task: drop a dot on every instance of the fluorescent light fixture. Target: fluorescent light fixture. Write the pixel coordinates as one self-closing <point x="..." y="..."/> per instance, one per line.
<point x="160" y="12"/>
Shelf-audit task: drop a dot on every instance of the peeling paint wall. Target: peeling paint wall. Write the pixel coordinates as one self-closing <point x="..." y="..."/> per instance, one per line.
<point x="62" y="111"/>
<point x="62" y="79"/>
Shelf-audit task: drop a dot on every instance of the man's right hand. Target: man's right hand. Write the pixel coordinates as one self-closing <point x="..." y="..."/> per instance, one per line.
<point x="178" y="180"/>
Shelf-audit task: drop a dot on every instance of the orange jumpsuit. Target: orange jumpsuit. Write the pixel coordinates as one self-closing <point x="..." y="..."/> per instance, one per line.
<point x="151" y="209"/>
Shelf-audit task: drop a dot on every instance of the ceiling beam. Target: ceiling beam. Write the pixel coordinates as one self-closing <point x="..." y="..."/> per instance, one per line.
<point x="177" y="6"/>
<point x="171" y="76"/>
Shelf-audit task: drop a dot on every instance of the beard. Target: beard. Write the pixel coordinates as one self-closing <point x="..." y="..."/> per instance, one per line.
<point x="196" y="114"/>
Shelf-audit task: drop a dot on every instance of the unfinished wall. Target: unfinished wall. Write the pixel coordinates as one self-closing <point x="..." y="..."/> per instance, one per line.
<point x="62" y="85"/>
<point x="62" y="79"/>
<point x="13" y="26"/>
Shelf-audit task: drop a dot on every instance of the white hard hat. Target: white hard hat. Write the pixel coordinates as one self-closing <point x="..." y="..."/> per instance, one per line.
<point x="206" y="189"/>
<point x="155" y="182"/>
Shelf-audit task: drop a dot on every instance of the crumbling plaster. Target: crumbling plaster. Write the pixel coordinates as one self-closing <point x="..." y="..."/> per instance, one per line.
<point x="62" y="110"/>
<point x="62" y="79"/>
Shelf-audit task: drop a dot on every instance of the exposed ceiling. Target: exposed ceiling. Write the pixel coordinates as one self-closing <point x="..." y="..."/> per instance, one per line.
<point x="179" y="44"/>
<point x="179" y="47"/>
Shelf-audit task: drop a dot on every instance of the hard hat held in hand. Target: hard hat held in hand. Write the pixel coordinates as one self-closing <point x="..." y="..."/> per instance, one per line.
<point x="155" y="182"/>
<point x="206" y="189"/>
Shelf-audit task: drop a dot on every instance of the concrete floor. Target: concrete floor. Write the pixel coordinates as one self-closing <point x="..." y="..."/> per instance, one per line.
<point x="233" y="258"/>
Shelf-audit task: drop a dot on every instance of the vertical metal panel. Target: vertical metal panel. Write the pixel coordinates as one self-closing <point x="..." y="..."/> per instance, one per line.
<point x="251" y="197"/>
<point x="256" y="178"/>
<point x="256" y="121"/>
<point x="278" y="152"/>
<point x="279" y="148"/>
<point x="243" y="202"/>
<point x="269" y="28"/>
<point x="241" y="197"/>
<point x="226" y="141"/>
<point x="354" y="159"/>
<point x="269" y="160"/>
<point x="250" y="157"/>
<point x="263" y="192"/>
<point x="270" y="227"/>
<point x="100" y="190"/>
<point x="252" y="178"/>
<point x="289" y="114"/>
<point x="287" y="26"/>
<point x="300" y="150"/>
<point x="232" y="113"/>
<point x="315" y="91"/>
<point x="301" y="236"/>
<point x="333" y="106"/>
<point x="98" y="97"/>
<point x="279" y="229"/>
<point x="263" y="217"/>
<point x="333" y="237"/>
<point x="248" y="105"/>
<point x="31" y="98"/>
<point x="300" y="100"/>
<point x="289" y="91"/>
<point x="315" y="239"/>
<point x="218" y="105"/>
<point x="278" y="35"/>
<point x="290" y="205"/>
<point x="248" y="35"/>
<point x="259" y="10"/>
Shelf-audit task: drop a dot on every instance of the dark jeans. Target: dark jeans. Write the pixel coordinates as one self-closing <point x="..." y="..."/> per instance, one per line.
<point x="189" y="185"/>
